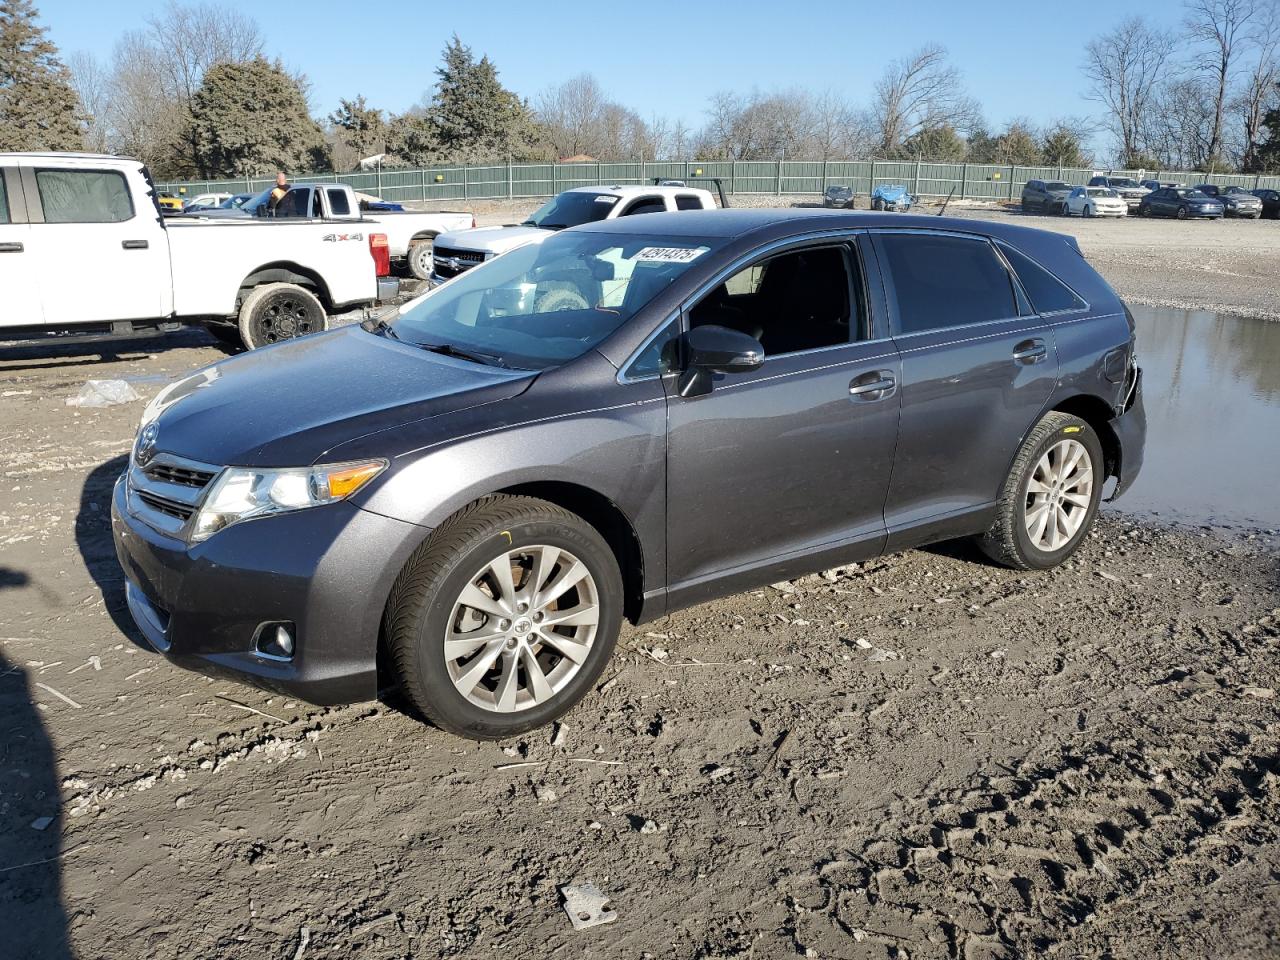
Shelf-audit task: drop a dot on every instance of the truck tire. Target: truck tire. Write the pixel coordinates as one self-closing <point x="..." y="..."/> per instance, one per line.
<point x="1050" y="497"/>
<point x="280" y="311"/>
<point x="561" y="296"/>
<point x="503" y="620"/>
<point x="419" y="258"/>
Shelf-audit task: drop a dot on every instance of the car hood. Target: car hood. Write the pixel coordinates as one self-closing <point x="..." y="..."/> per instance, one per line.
<point x="288" y="404"/>
<point x="492" y="239"/>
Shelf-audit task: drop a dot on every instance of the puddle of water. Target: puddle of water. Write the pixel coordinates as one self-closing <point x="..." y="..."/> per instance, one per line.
<point x="1212" y="390"/>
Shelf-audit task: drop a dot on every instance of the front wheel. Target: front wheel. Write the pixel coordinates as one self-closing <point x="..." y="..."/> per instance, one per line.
<point x="1182" y="213"/>
<point x="1088" y="210"/>
<point x="279" y="311"/>
<point x="420" y="259"/>
<point x="1050" y="497"/>
<point x="505" y="618"/>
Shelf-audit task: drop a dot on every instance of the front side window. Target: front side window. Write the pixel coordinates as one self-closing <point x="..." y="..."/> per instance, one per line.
<point x="942" y="282"/>
<point x="645" y="205"/>
<point x="294" y="204"/>
<point x="791" y="302"/>
<point x="660" y="356"/>
<point x="543" y="304"/>
<point x="84" y="196"/>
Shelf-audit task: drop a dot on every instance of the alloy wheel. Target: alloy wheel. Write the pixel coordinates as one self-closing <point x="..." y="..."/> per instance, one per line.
<point x="522" y="628"/>
<point x="1059" y="495"/>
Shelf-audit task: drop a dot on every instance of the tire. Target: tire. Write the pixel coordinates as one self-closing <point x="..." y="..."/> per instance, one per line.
<point x="419" y="258"/>
<point x="228" y="333"/>
<point x="1026" y="207"/>
<point x="877" y="203"/>
<point x="1182" y="213"/>
<point x="1066" y="210"/>
<point x="279" y="311"/>
<point x="564" y="297"/>
<point x="1009" y="541"/>
<point x="427" y="606"/>
<point x="1088" y="210"/>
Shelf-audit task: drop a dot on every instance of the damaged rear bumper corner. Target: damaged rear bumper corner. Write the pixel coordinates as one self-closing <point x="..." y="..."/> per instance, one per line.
<point x="1130" y="429"/>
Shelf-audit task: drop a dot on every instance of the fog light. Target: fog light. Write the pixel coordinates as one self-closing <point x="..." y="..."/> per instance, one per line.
<point x="275" y="640"/>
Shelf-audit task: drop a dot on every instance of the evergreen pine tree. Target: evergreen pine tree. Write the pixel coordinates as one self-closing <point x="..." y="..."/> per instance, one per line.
<point x="475" y="117"/>
<point x="39" y="109"/>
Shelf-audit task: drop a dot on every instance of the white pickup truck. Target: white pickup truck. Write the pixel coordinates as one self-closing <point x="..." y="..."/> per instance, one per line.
<point x="84" y="252"/>
<point x="463" y="249"/>
<point x="409" y="232"/>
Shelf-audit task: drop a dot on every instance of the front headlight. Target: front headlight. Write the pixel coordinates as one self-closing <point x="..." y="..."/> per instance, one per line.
<point x="242" y="493"/>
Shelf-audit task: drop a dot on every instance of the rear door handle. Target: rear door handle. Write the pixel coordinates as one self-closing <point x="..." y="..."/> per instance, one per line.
<point x="877" y="385"/>
<point x="134" y="244"/>
<point x="1031" y="351"/>
<point x="10" y="248"/>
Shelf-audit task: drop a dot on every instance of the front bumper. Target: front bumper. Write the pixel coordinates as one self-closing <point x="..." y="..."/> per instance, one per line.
<point x="1130" y="429"/>
<point x="328" y="570"/>
<point x="1248" y="212"/>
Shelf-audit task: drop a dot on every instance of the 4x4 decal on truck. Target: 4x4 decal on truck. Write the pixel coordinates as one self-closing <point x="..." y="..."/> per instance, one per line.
<point x="339" y="237"/>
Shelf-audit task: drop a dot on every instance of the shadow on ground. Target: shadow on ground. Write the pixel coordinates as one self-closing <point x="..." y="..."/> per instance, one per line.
<point x="98" y="549"/>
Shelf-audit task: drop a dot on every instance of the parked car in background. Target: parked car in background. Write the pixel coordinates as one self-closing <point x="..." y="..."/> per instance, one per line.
<point x="461" y="250"/>
<point x="1129" y="189"/>
<point x="1158" y="184"/>
<point x="1181" y="202"/>
<point x="892" y="197"/>
<point x="169" y="204"/>
<point x="1270" y="202"/>
<point x="236" y="200"/>
<point x="1045" y="196"/>
<point x="1094" y="202"/>
<point x="490" y="487"/>
<point x="837" y="196"/>
<point x="205" y="201"/>
<point x="410" y="233"/>
<point x="138" y="274"/>
<point x="1236" y="201"/>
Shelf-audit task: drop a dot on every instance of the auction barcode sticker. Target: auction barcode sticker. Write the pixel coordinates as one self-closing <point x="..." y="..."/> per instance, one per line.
<point x="669" y="254"/>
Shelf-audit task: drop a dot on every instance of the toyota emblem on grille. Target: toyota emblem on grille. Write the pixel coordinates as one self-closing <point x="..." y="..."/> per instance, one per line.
<point x="146" y="448"/>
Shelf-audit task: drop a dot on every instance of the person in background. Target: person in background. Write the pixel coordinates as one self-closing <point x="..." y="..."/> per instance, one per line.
<point x="277" y="194"/>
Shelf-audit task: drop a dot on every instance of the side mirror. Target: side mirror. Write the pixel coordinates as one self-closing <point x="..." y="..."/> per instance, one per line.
<point x="710" y="350"/>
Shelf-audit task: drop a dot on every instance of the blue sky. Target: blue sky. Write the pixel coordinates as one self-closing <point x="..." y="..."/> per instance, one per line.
<point x="656" y="56"/>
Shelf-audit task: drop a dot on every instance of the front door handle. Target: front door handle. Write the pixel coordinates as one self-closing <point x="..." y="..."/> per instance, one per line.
<point x="1031" y="351"/>
<point x="10" y="248"/>
<point x="877" y="385"/>
<point x="134" y="244"/>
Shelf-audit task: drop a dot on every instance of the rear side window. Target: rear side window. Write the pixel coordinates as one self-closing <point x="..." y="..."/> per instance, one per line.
<point x="942" y="282"/>
<point x="645" y="205"/>
<point x="1048" y="294"/>
<point x="84" y="196"/>
<point x="338" y="203"/>
<point x="686" y="202"/>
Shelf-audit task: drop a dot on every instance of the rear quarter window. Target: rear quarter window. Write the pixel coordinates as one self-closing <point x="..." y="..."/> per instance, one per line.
<point x="1047" y="293"/>
<point x="942" y="282"/>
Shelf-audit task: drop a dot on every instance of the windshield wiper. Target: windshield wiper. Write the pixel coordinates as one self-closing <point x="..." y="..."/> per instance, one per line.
<point x="475" y="356"/>
<point x="380" y="325"/>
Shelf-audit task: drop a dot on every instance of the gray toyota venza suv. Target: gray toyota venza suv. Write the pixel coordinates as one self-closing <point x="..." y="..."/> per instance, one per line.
<point x="631" y="417"/>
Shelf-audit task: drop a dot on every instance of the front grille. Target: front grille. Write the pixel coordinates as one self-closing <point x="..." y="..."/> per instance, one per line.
<point x="172" y="473"/>
<point x="170" y="508"/>
<point x="449" y="262"/>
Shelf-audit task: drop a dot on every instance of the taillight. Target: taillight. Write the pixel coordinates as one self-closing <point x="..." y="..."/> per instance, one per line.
<point x="381" y="251"/>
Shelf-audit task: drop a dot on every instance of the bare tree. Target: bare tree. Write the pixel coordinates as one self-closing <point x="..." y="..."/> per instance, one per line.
<point x="917" y="92"/>
<point x="1222" y="31"/>
<point x="571" y="113"/>
<point x="1259" y="93"/>
<point x="92" y="83"/>
<point x="1125" y="67"/>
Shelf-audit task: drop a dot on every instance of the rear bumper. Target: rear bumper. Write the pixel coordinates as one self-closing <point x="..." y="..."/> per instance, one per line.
<point x="1130" y="429"/>
<point x="388" y="289"/>
<point x="327" y="570"/>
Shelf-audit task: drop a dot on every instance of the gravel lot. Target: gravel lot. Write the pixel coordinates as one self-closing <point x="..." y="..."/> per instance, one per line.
<point x="920" y="756"/>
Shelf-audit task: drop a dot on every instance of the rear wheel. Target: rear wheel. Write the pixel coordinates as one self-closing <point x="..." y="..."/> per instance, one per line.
<point x="1050" y="497"/>
<point x="505" y="618"/>
<point x="419" y="258"/>
<point x="1182" y="213"/>
<point x="279" y="311"/>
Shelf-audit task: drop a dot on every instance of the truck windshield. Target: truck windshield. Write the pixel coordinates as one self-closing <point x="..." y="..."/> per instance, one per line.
<point x="546" y="303"/>
<point x="571" y="210"/>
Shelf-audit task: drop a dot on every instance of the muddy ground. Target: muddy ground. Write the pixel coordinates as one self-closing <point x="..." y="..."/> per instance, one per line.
<point x="920" y="756"/>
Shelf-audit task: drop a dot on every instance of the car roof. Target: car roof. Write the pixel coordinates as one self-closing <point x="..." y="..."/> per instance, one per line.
<point x="636" y="190"/>
<point x="780" y="223"/>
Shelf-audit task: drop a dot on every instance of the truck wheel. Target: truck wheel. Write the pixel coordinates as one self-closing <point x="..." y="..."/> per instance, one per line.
<point x="1051" y="496"/>
<point x="419" y="258"/>
<point x="279" y="311"/>
<point x="504" y="618"/>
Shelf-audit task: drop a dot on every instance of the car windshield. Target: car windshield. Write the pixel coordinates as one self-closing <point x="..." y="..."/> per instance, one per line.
<point x="572" y="209"/>
<point x="254" y="203"/>
<point x="543" y="304"/>
<point x="1057" y="185"/>
<point x="1122" y="182"/>
<point x="1187" y="194"/>
<point x="1102" y="192"/>
<point x="1238" y="190"/>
